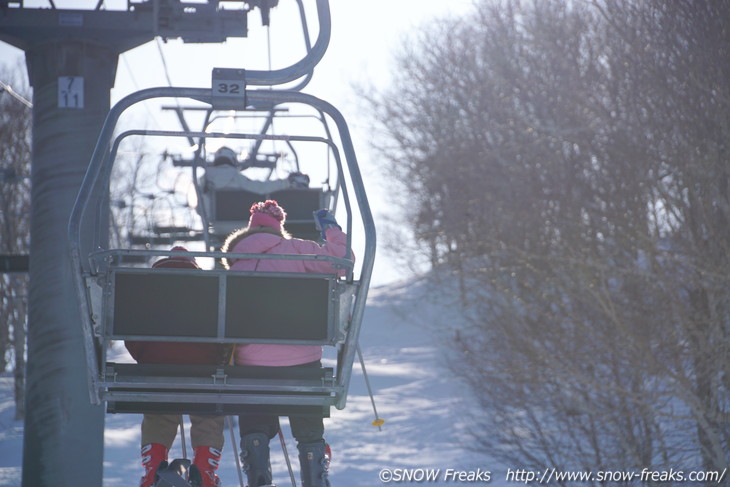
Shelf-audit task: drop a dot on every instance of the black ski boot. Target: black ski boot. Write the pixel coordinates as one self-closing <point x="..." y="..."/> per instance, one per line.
<point x="255" y="459"/>
<point x="314" y="461"/>
<point x="175" y="474"/>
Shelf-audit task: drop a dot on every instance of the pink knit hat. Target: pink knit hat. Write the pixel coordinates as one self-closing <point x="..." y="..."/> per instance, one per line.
<point x="267" y="214"/>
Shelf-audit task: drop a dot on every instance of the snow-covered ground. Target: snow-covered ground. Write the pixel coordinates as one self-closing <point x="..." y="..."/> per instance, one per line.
<point x="421" y="404"/>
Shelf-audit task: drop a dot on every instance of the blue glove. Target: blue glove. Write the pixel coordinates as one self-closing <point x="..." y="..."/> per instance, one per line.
<point x="324" y="220"/>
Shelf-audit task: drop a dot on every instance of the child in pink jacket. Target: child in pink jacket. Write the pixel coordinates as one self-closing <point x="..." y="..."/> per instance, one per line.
<point x="265" y="234"/>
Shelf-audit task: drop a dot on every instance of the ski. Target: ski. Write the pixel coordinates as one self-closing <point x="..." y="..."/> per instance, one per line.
<point x="167" y="478"/>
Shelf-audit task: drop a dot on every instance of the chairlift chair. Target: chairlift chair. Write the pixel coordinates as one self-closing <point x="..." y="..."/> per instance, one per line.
<point x="125" y="303"/>
<point x="121" y="302"/>
<point x="221" y="212"/>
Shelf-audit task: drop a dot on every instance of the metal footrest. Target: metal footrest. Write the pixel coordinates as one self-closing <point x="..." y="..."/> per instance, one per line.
<point x="208" y="389"/>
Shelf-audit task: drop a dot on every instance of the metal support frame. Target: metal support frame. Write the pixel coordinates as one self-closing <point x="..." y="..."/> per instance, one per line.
<point x="219" y="389"/>
<point x="340" y="186"/>
<point x="101" y="164"/>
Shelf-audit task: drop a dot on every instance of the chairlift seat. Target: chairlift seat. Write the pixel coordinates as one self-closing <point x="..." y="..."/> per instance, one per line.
<point x="215" y="306"/>
<point x="230" y="209"/>
<point x="226" y="390"/>
<point x="300" y="204"/>
<point x="231" y="205"/>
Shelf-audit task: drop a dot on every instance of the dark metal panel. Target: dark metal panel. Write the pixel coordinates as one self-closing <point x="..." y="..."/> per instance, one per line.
<point x="164" y="303"/>
<point x="254" y="308"/>
<point x="14" y="263"/>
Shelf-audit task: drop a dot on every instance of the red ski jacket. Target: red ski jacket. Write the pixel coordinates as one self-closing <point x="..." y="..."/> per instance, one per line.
<point x="176" y="352"/>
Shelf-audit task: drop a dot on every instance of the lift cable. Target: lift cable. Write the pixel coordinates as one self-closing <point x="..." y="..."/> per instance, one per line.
<point x="123" y="57"/>
<point x="164" y="61"/>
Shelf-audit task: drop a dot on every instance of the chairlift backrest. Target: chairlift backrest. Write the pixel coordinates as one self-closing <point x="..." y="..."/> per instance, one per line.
<point x="229" y="209"/>
<point x="225" y="307"/>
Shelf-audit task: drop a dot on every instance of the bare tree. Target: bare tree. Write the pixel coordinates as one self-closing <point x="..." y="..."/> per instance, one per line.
<point x="684" y="49"/>
<point x="148" y="193"/>
<point x="15" y="153"/>
<point x="566" y="164"/>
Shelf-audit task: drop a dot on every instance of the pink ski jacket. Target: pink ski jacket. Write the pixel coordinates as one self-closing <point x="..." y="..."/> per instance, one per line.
<point x="266" y="243"/>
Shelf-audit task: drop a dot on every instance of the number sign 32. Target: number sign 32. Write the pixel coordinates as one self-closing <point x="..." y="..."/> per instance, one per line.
<point x="229" y="88"/>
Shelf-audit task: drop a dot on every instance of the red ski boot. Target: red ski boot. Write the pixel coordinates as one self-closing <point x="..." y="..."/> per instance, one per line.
<point x="206" y="459"/>
<point x="152" y="455"/>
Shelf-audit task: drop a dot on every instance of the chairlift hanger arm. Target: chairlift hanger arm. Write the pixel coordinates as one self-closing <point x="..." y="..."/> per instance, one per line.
<point x="305" y="66"/>
<point x="184" y="123"/>
<point x="308" y="43"/>
<point x="257" y="145"/>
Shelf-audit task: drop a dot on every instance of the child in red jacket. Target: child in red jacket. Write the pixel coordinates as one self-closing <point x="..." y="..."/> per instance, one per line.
<point x="159" y="430"/>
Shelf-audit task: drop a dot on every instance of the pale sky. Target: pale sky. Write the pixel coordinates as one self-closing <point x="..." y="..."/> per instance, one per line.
<point x="364" y="37"/>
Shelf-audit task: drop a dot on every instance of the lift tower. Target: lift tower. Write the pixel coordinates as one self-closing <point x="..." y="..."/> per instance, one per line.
<point x="71" y="56"/>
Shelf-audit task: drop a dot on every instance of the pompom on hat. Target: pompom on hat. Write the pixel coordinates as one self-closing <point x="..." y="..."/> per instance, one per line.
<point x="267" y="214"/>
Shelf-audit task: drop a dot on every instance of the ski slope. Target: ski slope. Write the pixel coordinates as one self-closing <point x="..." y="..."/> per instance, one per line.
<point x="421" y="404"/>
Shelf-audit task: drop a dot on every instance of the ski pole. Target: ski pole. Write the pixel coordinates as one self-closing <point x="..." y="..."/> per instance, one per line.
<point x="231" y="361"/>
<point x="182" y="437"/>
<point x="286" y="457"/>
<point x="378" y="420"/>
<point x="235" y="450"/>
